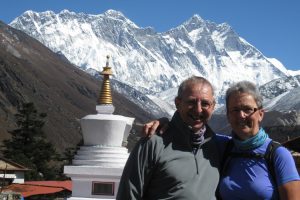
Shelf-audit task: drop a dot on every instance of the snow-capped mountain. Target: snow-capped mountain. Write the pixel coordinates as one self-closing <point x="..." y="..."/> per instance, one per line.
<point x="282" y="94"/>
<point x="279" y="86"/>
<point x="151" y="62"/>
<point x="280" y="66"/>
<point x="286" y="102"/>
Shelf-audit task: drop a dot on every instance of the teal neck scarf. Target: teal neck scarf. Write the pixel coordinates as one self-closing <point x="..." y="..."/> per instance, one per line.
<point x="251" y="143"/>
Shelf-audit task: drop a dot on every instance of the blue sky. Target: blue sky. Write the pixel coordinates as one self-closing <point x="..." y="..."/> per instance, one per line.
<point x="272" y="26"/>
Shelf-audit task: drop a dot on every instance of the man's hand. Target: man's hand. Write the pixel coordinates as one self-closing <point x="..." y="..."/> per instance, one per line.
<point x="160" y="126"/>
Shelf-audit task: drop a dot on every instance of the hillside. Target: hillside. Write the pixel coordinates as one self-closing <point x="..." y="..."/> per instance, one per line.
<point x="30" y="72"/>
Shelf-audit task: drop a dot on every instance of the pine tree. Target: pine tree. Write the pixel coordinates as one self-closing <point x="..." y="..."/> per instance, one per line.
<point x="28" y="146"/>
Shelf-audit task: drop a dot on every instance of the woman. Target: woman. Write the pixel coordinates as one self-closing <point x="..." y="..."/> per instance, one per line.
<point x="249" y="178"/>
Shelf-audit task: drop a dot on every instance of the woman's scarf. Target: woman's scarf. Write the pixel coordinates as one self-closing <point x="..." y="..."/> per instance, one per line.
<point x="251" y="143"/>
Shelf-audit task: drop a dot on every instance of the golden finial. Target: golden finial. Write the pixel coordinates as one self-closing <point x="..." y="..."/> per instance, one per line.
<point x="105" y="94"/>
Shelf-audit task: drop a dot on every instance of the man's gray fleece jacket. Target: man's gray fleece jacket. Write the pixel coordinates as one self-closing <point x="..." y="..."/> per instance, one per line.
<point x="164" y="167"/>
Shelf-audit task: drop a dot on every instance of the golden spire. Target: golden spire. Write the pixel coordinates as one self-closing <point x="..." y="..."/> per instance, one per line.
<point x="105" y="93"/>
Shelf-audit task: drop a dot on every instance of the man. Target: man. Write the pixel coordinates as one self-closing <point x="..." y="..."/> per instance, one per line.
<point x="183" y="162"/>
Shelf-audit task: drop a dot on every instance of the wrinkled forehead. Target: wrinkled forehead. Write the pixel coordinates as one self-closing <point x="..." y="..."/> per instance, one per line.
<point x="199" y="89"/>
<point x="241" y="97"/>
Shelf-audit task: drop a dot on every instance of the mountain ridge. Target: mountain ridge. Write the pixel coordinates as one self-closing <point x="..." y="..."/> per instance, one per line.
<point x="146" y="59"/>
<point x="149" y="66"/>
<point x="30" y="72"/>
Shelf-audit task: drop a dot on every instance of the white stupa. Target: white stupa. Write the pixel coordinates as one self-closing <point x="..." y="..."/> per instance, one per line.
<point x="97" y="167"/>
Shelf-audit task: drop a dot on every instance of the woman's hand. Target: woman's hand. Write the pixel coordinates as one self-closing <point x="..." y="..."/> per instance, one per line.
<point x="159" y="125"/>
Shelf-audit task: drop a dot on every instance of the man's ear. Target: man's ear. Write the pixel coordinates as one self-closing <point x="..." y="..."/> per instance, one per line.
<point x="177" y="102"/>
<point x="214" y="105"/>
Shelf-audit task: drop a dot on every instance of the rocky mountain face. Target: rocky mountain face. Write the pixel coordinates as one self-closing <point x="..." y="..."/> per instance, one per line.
<point x="149" y="61"/>
<point x="30" y="72"/>
<point x="279" y="86"/>
<point x="148" y="66"/>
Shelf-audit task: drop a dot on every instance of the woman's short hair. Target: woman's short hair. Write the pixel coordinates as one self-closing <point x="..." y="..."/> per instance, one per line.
<point x="245" y="87"/>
